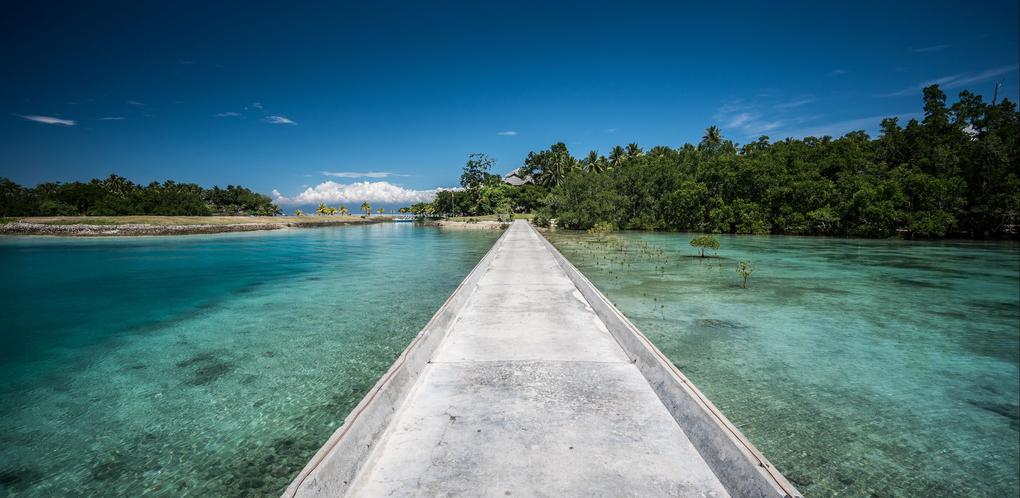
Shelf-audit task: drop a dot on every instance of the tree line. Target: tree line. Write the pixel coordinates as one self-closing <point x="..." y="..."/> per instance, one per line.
<point x="116" y="195"/>
<point x="953" y="173"/>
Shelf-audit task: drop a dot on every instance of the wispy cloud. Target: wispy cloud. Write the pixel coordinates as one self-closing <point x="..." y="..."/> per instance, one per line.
<point x="610" y="130"/>
<point x="740" y="119"/>
<point x="360" y="174"/>
<point x="746" y="118"/>
<point x="257" y="105"/>
<point x="113" y="118"/>
<point x="183" y="62"/>
<point x="956" y="80"/>
<point x="333" y="192"/>
<point x="280" y="120"/>
<point x="49" y="120"/>
<point x="837" y="72"/>
<point x="135" y="102"/>
<point x="228" y="114"/>
<point x="507" y="133"/>
<point x="795" y="103"/>
<point x="840" y="128"/>
<point x="933" y="48"/>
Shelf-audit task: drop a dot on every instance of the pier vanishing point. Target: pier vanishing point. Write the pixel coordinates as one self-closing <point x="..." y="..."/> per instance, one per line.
<point x="529" y="382"/>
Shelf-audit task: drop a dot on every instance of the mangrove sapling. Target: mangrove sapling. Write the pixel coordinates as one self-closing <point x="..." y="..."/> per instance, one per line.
<point x="744" y="269"/>
<point x="705" y="242"/>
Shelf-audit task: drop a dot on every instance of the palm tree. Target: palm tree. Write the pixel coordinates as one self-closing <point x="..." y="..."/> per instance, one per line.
<point x="557" y="168"/>
<point x="617" y="156"/>
<point x="297" y="212"/>
<point x="366" y="207"/>
<point x="712" y="139"/>
<point x="321" y="210"/>
<point x="342" y="210"/>
<point x="595" y="163"/>
<point x="633" y="150"/>
<point x="380" y="210"/>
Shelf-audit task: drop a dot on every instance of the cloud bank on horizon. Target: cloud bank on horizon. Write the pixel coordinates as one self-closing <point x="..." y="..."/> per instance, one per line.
<point x="330" y="192"/>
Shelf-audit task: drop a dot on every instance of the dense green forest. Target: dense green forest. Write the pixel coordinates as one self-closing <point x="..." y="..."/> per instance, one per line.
<point x="118" y="196"/>
<point x="952" y="174"/>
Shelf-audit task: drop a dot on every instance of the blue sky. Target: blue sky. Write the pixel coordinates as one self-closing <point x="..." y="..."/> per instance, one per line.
<point x="273" y="96"/>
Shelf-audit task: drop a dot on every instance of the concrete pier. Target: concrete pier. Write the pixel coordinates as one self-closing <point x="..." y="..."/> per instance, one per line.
<point x="528" y="382"/>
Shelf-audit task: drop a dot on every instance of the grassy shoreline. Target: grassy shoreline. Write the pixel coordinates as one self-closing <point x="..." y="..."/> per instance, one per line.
<point x="107" y="226"/>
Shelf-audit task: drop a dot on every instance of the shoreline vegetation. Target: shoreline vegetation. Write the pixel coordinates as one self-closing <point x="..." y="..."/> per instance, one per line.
<point x="111" y="226"/>
<point x="954" y="173"/>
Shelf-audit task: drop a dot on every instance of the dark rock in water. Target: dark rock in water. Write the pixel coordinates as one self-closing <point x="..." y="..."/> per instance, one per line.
<point x="910" y="282"/>
<point x="208" y="368"/>
<point x="714" y="323"/>
<point x="210" y="372"/>
<point x="198" y="358"/>
<point x="108" y="469"/>
<point x="269" y="354"/>
<point x="1010" y="411"/>
<point x="313" y="279"/>
<point x="20" y="477"/>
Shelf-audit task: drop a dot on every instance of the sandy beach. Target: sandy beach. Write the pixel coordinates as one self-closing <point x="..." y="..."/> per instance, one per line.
<point x="112" y="226"/>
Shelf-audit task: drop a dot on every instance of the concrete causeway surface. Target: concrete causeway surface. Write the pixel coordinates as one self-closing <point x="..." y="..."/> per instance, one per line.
<point x="524" y="392"/>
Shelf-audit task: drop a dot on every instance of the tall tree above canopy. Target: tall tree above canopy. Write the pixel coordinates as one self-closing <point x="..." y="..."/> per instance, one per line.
<point x="711" y="140"/>
<point x="616" y="157"/>
<point x="476" y="172"/>
<point x="549" y="167"/>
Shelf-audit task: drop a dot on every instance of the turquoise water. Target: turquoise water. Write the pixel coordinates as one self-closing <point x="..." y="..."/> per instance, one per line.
<point x="203" y="365"/>
<point x="858" y="367"/>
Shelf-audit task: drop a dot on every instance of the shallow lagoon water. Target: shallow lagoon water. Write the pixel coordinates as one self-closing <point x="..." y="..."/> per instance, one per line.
<point x="858" y="367"/>
<point x="203" y="365"/>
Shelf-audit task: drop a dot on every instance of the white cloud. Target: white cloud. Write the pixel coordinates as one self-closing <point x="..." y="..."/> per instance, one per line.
<point x="279" y="120"/>
<point x="933" y="48"/>
<point x="795" y="103"/>
<point x="741" y="118"/>
<point x="50" y="120"/>
<point x="257" y="105"/>
<point x="360" y="174"/>
<point x="955" y="81"/>
<point x="840" y="128"/>
<point x="333" y="192"/>
<point x="753" y="119"/>
<point x="134" y="102"/>
<point x="228" y="114"/>
<point x="507" y="133"/>
<point x="113" y="118"/>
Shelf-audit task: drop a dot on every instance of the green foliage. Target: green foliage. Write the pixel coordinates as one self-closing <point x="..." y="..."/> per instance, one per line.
<point x="744" y="269"/>
<point x="116" y="196"/>
<point x="366" y="208"/>
<point x="476" y="172"/>
<point x="550" y="167"/>
<point x="953" y="174"/>
<point x="583" y="200"/>
<point x="705" y="242"/>
<point x="601" y="229"/>
<point x="297" y="212"/>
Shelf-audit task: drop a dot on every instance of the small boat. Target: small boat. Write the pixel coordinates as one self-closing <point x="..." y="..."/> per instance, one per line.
<point x="403" y="219"/>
